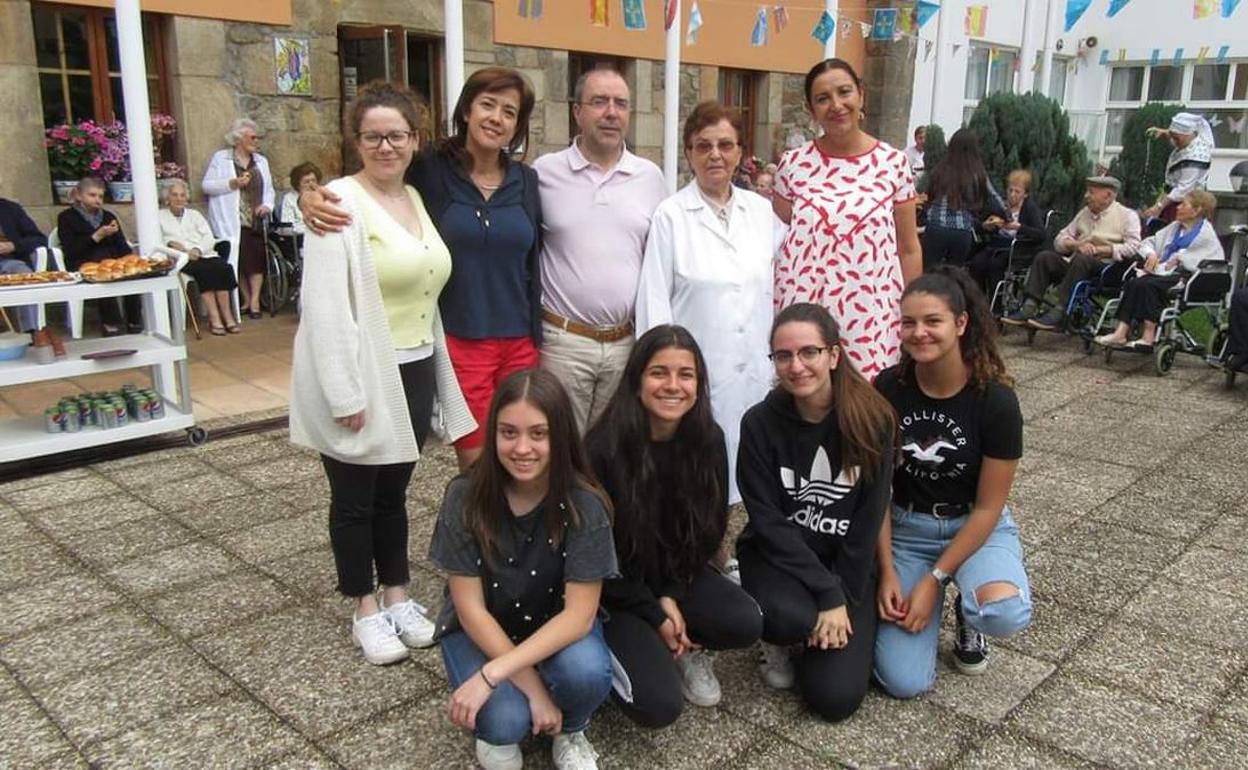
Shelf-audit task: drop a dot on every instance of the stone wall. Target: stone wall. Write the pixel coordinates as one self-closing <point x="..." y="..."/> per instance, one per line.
<point x="24" y="174"/>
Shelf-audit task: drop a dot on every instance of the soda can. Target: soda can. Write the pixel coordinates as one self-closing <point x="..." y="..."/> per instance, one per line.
<point x="73" y="424"/>
<point x="122" y="416"/>
<point x="86" y="414"/>
<point x="105" y="417"/>
<point x="158" y="407"/>
<point x="53" y="419"/>
<point x="142" y="409"/>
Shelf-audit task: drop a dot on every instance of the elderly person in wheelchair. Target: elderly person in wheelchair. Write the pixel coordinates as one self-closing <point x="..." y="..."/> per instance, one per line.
<point x="185" y="229"/>
<point x="1165" y="260"/>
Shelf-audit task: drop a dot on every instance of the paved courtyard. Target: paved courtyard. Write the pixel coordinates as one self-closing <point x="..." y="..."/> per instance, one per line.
<point x="176" y="609"/>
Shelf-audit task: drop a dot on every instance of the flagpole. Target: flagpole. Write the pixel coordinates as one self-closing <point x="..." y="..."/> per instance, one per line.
<point x="671" y="100"/>
<point x="829" y="45"/>
<point x="1046" y="60"/>
<point x="942" y="32"/>
<point x="454" y="12"/>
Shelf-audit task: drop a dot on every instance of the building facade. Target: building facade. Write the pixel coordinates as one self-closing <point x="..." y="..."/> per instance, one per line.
<point x="211" y="61"/>
<point x="1100" y="70"/>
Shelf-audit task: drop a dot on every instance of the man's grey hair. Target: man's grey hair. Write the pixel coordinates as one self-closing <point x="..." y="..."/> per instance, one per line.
<point x="578" y="90"/>
<point x="236" y="130"/>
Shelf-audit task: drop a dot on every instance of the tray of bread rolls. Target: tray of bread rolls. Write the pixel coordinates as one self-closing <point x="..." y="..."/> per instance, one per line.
<point x="128" y="268"/>
<point x="41" y="278"/>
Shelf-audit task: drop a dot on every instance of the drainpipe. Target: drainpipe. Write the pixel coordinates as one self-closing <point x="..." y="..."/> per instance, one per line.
<point x="454" y="57"/>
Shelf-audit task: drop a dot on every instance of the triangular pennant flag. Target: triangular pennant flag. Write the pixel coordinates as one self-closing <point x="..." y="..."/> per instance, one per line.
<point x="907" y="21"/>
<point x="1222" y="54"/>
<point x="925" y="10"/>
<point x="956" y="47"/>
<point x="976" y="22"/>
<point x="824" y="28"/>
<point x="635" y="15"/>
<point x="1155" y="58"/>
<point x="927" y="49"/>
<point x="669" y="14"/>
<point x="531" y="9"/>
<point x="695" y="22"/>
<point x="1075" y="9"/>
<point x="884" y="24"/>
<point x="598" y="13"/>
<point x="1203" y="9"/>
<point x="1122" y="54"/>
<point x="1201" y="54"/>
<point x="1115" y="6"/>
<point x="1228" y="7"/>
<point x="1104" y="56"/>
<point x="846" y="27"/>
<point x="781" y="16"/>
<point x="865" y="29"/>
<point x="1178" y="57"/>
<point x="758" y="35"/>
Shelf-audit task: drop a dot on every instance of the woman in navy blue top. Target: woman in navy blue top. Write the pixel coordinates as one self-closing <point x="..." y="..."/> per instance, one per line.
<point x="487" y="210"/>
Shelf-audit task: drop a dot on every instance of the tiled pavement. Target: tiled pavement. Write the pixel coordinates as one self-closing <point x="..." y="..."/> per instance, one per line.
<point x="176" y="609"/>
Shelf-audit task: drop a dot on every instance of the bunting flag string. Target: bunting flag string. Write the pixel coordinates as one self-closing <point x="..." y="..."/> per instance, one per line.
<point x="758" y="36"/>
<point x="598" y="13"/>
<point x="1076" y="9"/>
<point x="976" y="22"/>
<point x="635" y="15"/>
<point x="1115" y="6"/>
<point x="824" y="28"/>
<point x="531" y="9"/>
<point x="669" y="14"/>
<point x="695" y="23"/>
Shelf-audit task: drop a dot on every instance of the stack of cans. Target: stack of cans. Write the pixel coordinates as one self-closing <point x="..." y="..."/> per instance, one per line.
<point x="106" y="409"/>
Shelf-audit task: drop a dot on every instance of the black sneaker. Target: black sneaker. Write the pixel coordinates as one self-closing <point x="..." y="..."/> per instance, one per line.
<point x="970" y="648"/>
<point x="1049" y="322"/>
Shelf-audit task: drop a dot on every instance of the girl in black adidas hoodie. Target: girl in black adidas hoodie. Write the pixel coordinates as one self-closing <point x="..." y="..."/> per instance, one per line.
<point x="814" y="470"/>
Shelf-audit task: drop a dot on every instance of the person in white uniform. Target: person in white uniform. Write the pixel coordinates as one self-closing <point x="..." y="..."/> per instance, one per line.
<point x="708" y="267"/>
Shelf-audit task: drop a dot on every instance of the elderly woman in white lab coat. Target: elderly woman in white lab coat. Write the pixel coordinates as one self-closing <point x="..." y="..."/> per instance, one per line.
<point x="708" y="267"/>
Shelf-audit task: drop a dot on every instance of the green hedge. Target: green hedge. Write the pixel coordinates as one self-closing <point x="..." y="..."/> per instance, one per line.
<point x="1141" y="166"/>
<point x="1031" y="131"/>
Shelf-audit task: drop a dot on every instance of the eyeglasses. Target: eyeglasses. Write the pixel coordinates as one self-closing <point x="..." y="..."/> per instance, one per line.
<point x="808" y="354"/>
<point x="724" y="146"/>
<point x="602" y="102"/>
<point x="397" y="139"/>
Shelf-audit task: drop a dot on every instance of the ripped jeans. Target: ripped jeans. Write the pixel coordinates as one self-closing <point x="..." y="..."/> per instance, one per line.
<point x="905" y="663"/>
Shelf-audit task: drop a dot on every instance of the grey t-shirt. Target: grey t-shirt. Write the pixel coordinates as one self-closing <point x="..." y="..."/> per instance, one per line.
<point x="523" y="584"/>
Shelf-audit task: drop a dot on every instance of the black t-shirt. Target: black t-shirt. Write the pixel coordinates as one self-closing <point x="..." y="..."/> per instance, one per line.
<point x="523" y="586"/>
<point x="943" y="440"/>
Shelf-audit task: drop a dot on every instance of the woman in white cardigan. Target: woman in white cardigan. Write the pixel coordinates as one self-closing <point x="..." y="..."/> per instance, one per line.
<point x="185" y="229"/>
<point x="369" y="359"/>
<point x="1169" y="256"/>
<point x="240" y="194"/>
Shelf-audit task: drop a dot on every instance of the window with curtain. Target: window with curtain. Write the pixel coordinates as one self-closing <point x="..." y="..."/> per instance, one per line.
<point x="1216" y="90"/>
<point x="737" y="89"/>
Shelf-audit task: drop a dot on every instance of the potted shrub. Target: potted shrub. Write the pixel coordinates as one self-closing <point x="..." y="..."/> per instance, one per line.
<point x="115" y="162"/>
<point x="164" y="129"/>
<point x="73" y="152"/>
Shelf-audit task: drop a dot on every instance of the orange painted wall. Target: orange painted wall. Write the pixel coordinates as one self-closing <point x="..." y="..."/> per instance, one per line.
<point x="262" y="12"/>
<point x="723" y="39"/>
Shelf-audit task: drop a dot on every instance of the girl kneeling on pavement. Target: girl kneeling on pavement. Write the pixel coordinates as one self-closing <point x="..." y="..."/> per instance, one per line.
<point x="526" y="539"/>
<point x="814" y="470"/>
<point x="662" y="459"/>
<point x="961" y="439"/>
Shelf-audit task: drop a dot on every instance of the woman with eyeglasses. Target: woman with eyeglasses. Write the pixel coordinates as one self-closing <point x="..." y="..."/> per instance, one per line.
<point x="369" y="359"/>
<point x="815" y="470"/>
<point x="708" y="268"/>
<point x="487" y="209"/>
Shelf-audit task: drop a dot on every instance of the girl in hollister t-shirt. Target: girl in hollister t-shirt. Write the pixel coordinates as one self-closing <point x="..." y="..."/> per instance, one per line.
<point x="814" y="470"/>
<point x="961" y="439"/>
<point x="526" y="539"/>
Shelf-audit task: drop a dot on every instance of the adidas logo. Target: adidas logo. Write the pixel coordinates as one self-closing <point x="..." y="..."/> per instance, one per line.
<point x="820" y="488"/>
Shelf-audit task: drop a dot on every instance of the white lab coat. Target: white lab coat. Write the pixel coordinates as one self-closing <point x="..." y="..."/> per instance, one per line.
<point x="223" y="201"/>
<point x="719" y="286"/>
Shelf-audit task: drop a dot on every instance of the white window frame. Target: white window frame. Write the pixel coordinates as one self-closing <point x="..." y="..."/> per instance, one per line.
<point x="969" y="105"/>
<point x="1239" y="71"/>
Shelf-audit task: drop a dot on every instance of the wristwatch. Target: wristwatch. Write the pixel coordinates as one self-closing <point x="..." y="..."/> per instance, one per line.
<point x="942" y="577"/>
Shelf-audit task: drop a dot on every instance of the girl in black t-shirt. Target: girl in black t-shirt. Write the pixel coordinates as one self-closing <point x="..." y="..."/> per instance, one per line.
<point x="526" y="539"/>
<point x="814" y="472"/>
<point x="661" y="457"/>
<point x="961" y="439"/>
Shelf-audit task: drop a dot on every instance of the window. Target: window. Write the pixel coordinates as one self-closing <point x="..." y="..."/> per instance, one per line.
<point x="76" y="57"/>
<point x="1218" y="91"/>
<point x="737" y="90"/>
<point x="579" y="64"/>
<point x="1057" y="79"/>
<point x="989" y="70"/>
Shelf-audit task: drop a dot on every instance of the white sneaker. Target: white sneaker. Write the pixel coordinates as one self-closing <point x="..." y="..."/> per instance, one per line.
<point x="732" y="570"/>
<point x="378" y="638"/>
<point x="493" y="757"/>
<point x="697" y="678"/>
<point x="415" y="630"/>
<point x="573" y="751"/>
<point x="777" y="666"/>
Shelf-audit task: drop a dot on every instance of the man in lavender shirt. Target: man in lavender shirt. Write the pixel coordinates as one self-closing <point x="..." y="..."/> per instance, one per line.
<point x="597" y="200"/>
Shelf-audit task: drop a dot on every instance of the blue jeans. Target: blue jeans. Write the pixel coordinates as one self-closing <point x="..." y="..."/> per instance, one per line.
<point x="578" y="678"/>
<point x="905" y="663"/>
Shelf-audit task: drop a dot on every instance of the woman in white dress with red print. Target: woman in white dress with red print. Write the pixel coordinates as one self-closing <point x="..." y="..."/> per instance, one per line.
<point x="853" y="242"/>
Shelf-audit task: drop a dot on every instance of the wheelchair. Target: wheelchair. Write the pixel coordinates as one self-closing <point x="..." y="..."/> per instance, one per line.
<point x="1207" y="292"/>
<point x="283" y="266"/>
<point x="1218" y="354"/>
<point x="1007" y="295"/>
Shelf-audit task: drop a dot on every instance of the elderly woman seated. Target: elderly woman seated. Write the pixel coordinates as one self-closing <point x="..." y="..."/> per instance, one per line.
<point x="185" y="229"/>
<point x="1168" y="257"/>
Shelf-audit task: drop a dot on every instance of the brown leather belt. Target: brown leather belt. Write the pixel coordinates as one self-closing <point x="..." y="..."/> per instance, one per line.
<point x="595" y="333"/>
